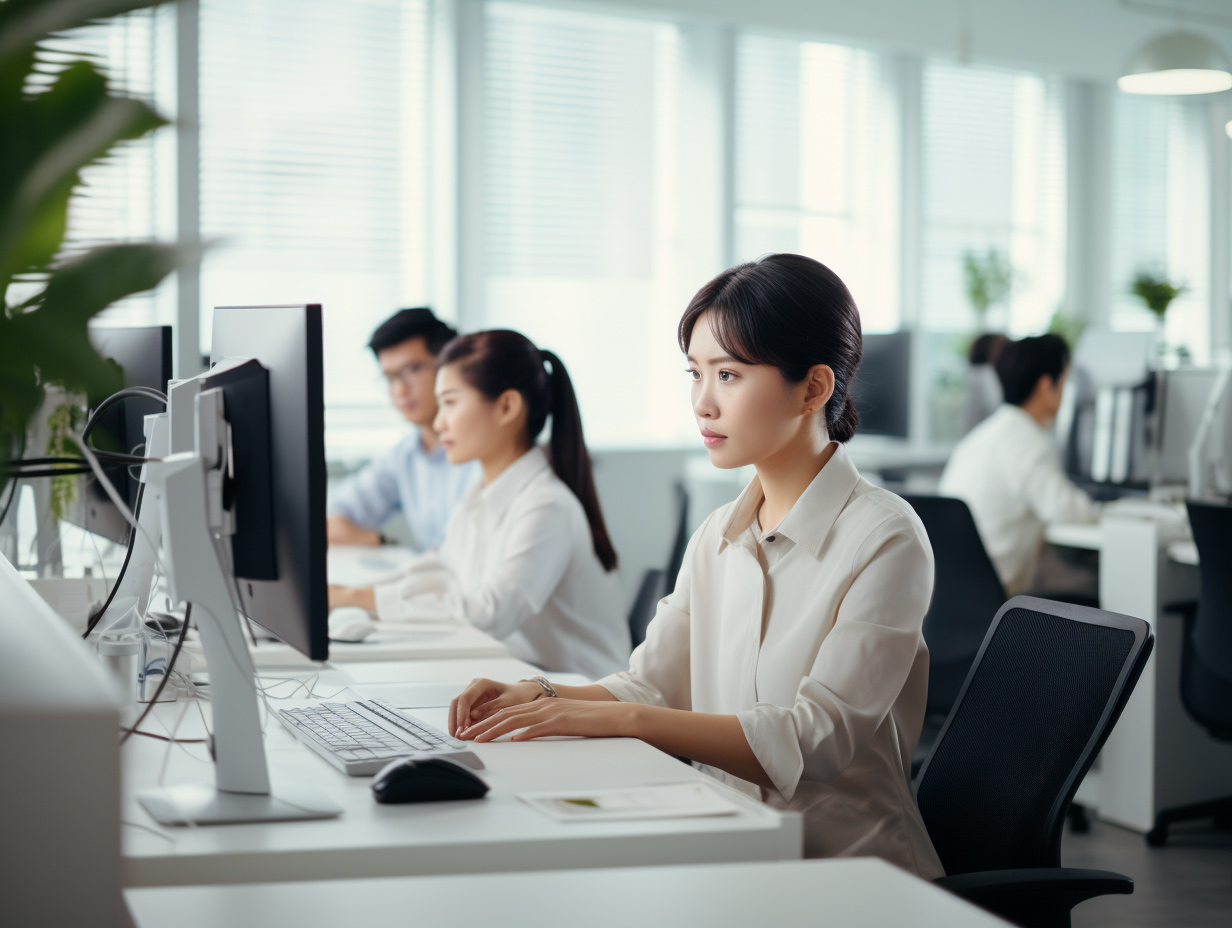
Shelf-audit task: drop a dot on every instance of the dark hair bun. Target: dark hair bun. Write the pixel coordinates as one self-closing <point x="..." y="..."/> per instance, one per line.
<point x="842" y="423"/>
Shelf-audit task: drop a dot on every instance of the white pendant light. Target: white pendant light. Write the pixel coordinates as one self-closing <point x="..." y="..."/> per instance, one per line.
<point x="1178" y="63"/>
<point x="1228" y="129"/>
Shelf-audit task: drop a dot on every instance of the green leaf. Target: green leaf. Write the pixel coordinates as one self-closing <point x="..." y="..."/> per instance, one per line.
<point x="25" y="23"/>
<point x="51" y="344"/>
<point x="79" y="124"/>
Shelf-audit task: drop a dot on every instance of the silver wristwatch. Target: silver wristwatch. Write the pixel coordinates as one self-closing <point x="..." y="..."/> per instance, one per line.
<point x="542" y="681"/>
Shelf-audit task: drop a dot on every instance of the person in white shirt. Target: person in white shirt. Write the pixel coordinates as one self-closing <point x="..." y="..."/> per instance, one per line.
<point x="1008" y="470"/>
<point x="526" y="556"/>
<point x="789" y="660"/>
<point x="414" y="476"/>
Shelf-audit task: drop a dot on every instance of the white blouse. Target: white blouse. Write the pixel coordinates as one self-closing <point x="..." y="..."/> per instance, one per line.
<point x="518" y="562"/>
<point x="811" y="636"/>
<point x="1009" y="473"/>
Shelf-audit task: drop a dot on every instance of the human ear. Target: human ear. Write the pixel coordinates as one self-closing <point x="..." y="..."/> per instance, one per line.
<point x="818" y="388"/>
<point x="509" y="407"/>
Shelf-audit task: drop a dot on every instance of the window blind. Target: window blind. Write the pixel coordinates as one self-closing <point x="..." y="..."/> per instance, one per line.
<point x="1161" y="214"/>
<point x="578" y="190"/>
<point x="816" y="165"/>
<point x="129" y="195"/>
<point x="994" y="177"/>
<point x="313" y="178"/>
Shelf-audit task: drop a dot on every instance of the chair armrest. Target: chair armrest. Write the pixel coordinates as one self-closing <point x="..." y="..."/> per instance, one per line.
<point x="1061" y="887"/>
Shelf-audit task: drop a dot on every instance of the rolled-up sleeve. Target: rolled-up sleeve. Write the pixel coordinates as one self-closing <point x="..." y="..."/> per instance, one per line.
<point x="860" y="668"/>
<point x="535" y="557"/>
<point x="372" y="495"/>
<point x="658" y="673"/>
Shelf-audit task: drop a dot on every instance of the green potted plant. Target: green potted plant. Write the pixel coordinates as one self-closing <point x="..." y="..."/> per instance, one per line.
<point x="48" y="135"/>
<point x="989" y="279"/>
<point x="1157" y="292"/>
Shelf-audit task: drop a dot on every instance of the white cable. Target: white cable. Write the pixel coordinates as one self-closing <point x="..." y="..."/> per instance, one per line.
<point x="114" y="495"/>
<point x="162" y="771"/>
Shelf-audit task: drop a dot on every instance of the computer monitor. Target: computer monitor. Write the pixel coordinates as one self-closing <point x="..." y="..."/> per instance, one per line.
<point x="58" y="705"/>
<point x="143" y="355"/>
<point x="881" y="387"/>
<point x="1184" y="396"/>
<point x="1106" y="415"/>
<point x="278" y="548"/>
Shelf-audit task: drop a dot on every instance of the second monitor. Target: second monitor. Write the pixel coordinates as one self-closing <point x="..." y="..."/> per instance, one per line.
<point x="881" y="387"/>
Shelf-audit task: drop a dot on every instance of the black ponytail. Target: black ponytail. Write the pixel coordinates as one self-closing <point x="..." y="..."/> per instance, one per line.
<point x="499" y="360"/>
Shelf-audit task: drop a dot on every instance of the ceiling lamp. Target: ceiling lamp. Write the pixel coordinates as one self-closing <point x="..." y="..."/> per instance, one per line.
<point x="1177" y="63"/>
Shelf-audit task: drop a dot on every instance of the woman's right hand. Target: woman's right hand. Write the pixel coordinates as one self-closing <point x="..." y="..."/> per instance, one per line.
<point x="483" y="697"/>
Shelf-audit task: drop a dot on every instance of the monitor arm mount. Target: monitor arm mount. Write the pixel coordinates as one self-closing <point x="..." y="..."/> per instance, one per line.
<point x="186" y="489"/>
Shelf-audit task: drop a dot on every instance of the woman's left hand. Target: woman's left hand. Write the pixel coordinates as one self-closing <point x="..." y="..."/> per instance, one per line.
<point x="556" y="716"/>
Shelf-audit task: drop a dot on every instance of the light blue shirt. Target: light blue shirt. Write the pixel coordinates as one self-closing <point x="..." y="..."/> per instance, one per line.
<point x="425" y="486"/>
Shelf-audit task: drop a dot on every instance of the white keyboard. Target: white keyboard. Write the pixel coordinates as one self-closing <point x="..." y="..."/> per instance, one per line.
<point x="359" y="738"/>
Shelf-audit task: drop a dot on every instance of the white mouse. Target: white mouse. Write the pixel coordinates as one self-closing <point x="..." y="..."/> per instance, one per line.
<point x="350" y="623"/>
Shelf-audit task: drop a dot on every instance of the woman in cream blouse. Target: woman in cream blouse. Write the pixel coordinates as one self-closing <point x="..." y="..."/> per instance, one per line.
<point x="789" y="660"/>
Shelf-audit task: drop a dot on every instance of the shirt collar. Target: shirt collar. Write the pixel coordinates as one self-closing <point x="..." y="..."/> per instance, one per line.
<point x="499" y="495"/>
<point x="1022" y="417"/>
<point x="809" y="521"/>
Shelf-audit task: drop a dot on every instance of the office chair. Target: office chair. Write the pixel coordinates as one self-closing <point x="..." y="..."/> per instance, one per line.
<point x="1206" y="655"/>
<point x="966" y="595"/>
<point x="680" y="542"/>
<point x="1045" y="690"/>
<point x="649" y="592"/>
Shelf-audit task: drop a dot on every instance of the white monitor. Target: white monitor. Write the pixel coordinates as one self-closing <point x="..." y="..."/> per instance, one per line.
<point x="60" y="780"/>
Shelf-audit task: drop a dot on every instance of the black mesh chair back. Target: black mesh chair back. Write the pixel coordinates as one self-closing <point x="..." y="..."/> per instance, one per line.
<point x="680" y="542"/>
<point x="1045" y="690"/>
<point x="649" y="592"/>
<point x="1206" y="656"/>
<point x="966" y="595"/>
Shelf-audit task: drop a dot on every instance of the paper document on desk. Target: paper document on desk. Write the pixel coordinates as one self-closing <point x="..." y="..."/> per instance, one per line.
<point x="670" y="800"/>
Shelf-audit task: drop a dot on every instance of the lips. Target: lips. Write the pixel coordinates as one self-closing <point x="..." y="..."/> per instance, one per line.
<point x="712" y="439"/>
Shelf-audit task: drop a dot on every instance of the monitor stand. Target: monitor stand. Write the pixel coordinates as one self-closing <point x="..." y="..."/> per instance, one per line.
<point x="199" y="574"/>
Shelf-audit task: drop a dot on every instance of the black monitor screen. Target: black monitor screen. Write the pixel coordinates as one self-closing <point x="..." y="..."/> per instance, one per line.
<point x="287" y="595"/>
<point x="143" y="355"/>
<point x="882" y="384"/>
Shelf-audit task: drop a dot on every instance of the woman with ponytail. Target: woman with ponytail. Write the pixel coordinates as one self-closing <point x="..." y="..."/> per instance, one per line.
<point x="526" y="556"/>
<point x="789" y="661"/>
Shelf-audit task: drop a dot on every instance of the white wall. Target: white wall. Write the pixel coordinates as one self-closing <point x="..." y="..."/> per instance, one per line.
<point x="1077" y="38"/>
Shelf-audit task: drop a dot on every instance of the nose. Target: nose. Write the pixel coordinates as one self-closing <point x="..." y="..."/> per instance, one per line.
<point x="704" y="406"/>
<point x="438" y="422"/>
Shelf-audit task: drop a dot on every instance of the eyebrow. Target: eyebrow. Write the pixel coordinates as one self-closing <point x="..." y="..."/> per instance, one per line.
<point x="723" y="359"/>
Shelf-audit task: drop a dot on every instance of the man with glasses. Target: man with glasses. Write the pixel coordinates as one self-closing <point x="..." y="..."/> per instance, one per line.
<point x="414" y="476"/>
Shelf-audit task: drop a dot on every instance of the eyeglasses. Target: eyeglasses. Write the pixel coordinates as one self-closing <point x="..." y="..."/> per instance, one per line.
<point x="407" y="373"/>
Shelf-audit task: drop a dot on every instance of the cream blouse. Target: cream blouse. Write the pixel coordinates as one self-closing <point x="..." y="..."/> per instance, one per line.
<point x="811" y="635"/>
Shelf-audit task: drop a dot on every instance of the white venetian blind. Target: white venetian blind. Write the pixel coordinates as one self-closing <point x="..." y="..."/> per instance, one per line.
<point x="816" y="164"/>
<point x="994" y="177"/>
<point x="1161" y="214"/>
<point x="579" y="194"/>
<point x="130" y="195"/>
<point x="314" y="178"/>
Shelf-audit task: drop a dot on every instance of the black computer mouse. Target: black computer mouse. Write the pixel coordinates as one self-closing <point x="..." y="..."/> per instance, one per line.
<point x="426" y="779"/>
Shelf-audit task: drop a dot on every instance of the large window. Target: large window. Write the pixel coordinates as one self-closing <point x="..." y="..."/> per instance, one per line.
<point x="1161" y="214"/>
<point x="579" y="218"/>
<point x="314" y="178"/>
<point x="816" y="164"/>
<point x="130" y="195"/>
<point x="994" y="178"/>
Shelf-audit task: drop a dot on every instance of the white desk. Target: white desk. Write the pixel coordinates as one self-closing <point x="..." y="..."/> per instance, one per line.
<point x="497" y="833"/>
<point x="835" y="893"/>
<point x="399" y="641"/>
<point x="1157" y="757"/>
